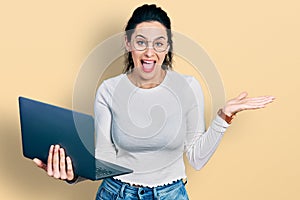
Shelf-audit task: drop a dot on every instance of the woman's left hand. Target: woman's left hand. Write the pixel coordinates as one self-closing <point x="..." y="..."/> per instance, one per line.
<point x="242" y="102"/>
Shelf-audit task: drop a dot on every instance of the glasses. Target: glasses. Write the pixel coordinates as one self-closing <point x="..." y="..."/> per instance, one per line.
<point x="159" y="45"/>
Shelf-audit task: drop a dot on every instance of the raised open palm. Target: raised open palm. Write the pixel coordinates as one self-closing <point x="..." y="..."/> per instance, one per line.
<point x="242" y="102"/>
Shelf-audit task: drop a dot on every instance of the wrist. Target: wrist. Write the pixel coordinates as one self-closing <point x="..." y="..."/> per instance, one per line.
<point x="225" y="116"/>
<point x="227" y="112"/>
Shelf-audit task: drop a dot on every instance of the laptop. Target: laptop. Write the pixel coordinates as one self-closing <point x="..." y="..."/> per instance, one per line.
<point x="43" y="125"/>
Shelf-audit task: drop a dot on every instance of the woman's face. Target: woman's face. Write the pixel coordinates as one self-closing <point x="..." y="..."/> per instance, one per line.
<point x="148" y="46"/>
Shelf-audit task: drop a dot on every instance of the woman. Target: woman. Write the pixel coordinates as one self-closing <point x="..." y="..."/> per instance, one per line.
<point x="152" y="146"/>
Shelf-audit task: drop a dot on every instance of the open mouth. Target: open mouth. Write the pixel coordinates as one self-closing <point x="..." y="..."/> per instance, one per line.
<point x="148" y="65"/>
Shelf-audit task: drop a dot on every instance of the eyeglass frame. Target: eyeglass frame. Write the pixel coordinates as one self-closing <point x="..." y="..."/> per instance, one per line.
<point x="147" y="43"/>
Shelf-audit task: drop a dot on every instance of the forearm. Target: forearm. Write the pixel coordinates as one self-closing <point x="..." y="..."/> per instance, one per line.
<point x="203" y="145"/>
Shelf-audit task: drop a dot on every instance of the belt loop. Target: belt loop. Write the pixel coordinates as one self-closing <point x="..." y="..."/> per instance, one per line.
<point x="155" y="195"/>
<point x="122" y="190"/>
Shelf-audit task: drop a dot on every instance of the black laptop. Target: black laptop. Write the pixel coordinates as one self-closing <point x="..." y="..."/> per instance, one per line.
<point x="43" y="125"/>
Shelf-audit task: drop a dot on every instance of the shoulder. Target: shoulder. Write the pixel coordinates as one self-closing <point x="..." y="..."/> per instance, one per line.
<point x="178" y="77"/>
<point x="186" y="88"/>
<point x="113" y="81"/>
<point x="189" y="84"/>
<point x="110" y="83"/>
<point x="107" y="87"/>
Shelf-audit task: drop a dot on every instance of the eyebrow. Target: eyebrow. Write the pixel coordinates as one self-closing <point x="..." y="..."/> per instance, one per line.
<point x="154" y="38"/>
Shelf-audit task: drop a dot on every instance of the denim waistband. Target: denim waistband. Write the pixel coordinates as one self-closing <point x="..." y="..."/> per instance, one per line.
<point x="153" y="191"/>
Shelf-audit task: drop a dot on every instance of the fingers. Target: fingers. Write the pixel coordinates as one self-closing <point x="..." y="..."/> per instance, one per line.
<point x="70" y="173"/>
<point x="40" y="164"/>
<point x="49" y="163"/>
<point x="56" y="172"/>
<point x="242" y="102"/>
<point x="242" y="95"/>
<point x="259" y="102"/>
<point x="251" y="106"/>
<point x="261" y="99"/>
<point x="58" y="166"/>
<point x="62" y="164"/>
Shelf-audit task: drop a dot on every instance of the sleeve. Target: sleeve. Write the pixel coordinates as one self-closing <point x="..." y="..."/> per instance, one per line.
<point x="200" y="144"/>
<point x="105" y="148"/>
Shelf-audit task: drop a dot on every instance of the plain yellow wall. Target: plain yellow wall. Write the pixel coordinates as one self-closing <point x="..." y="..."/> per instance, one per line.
<point x="254" y="44"/>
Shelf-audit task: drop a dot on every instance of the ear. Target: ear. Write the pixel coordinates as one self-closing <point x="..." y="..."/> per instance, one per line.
<point x="127" y="44"/>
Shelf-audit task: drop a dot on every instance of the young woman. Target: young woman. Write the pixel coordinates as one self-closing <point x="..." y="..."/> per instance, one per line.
<point x="149" y="116"/>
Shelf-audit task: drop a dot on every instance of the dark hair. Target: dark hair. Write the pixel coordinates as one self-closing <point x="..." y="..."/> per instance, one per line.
<point x="147" y="13"/>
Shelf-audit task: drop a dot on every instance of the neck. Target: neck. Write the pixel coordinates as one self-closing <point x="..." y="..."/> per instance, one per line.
<point x="144" y="83"/>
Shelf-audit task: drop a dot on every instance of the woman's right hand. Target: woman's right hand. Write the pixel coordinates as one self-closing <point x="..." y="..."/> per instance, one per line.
<point x="58" y="165"/>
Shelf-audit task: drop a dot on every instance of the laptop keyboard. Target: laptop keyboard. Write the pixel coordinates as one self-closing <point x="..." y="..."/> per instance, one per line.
<point x="103" y="172"/>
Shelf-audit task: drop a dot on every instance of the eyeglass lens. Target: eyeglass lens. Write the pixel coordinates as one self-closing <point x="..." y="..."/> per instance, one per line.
<point x="158" y="45"/>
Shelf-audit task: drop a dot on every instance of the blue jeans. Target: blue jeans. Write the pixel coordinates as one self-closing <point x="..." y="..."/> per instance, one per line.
<point x="112" y="189"/>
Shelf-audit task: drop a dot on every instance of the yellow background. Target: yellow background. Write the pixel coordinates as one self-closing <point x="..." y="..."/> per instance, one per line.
<point x="254" y="44"/>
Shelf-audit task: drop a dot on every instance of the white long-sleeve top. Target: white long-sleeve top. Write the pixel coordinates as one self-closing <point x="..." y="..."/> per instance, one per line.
<point x="149" y="130"/>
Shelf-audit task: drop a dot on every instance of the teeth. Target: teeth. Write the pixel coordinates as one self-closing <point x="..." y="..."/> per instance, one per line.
<point x="148" y="61"/>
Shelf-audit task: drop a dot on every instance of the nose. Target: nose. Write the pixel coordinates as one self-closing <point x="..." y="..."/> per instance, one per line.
<point x="149" y="52"/>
